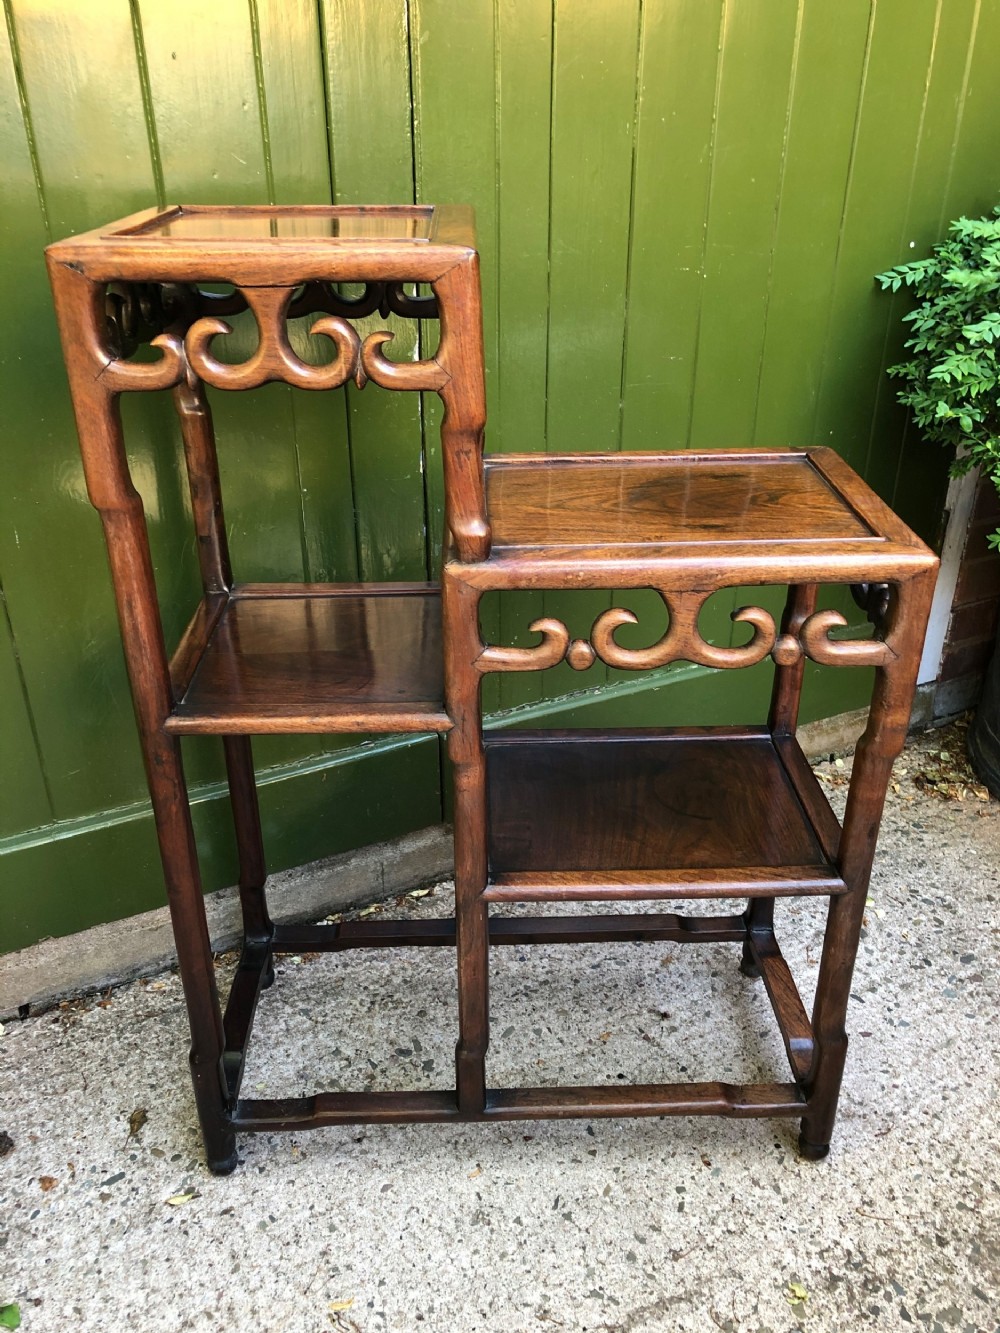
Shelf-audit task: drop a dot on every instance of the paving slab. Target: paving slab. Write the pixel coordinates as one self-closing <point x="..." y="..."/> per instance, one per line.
<point x="585" y="1225"/>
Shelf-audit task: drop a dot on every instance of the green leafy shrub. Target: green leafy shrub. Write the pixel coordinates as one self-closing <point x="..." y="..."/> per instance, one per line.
<point x="952" y="380"/>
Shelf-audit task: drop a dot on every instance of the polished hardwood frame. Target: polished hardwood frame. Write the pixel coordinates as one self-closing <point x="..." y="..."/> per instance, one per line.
<point x="411" y="657"/>
<point x="149" y="279"/>
<point x="816" y="1046"/>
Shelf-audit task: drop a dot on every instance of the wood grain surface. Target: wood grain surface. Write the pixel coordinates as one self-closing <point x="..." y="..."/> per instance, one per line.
<point x="318" y="663"/>
<point x="611" y="802"/>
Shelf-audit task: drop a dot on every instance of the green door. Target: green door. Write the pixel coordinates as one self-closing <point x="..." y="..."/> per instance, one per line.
<point x="681" y="204"/>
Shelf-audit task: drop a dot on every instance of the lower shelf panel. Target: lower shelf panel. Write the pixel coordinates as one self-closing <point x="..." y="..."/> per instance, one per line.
<point x="690" y="813"/>
<point x="287" y="658"/>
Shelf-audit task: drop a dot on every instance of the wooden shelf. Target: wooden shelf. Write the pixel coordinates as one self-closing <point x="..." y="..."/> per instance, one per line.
<point x="689" y="813"/>
<point x="774" y="516"/>
<point x="311" y="658"/>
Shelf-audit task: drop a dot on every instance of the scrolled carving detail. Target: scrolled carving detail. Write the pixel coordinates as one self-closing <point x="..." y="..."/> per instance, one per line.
<point x="787" y="650"/>
<point x="874" y="600"/>
<point x="412" y="307"/>
<point x="137" y="312"/>
<point x="397" y="374"/>
<point x="683" y="641"/>
<point x="552" y="649"/>
<point x="121" y="376"/>
<point x="183" y="322"/>
<point x="814" y="636"/>
<point x="275" y="359"/>
<point x="388" y="298"/>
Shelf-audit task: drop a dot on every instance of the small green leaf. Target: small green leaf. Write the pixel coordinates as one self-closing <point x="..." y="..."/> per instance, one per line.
<point x="10" y="1316"/>
<point x="951" y="381"/>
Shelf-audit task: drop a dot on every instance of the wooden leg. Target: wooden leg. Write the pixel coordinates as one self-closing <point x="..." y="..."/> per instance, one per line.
<point x="194" y="952"/>
<point x="782" y="721"/>
<point x="198" y="434"/>
<point x="472" y="944"/>
<point x="145" y="657"/>
<point x="882" y="741"/>
<point x="257" y="925"/>
<point x="759" y="916"/>
<point x="460" y="612"/>
<point x="471" y="940"/>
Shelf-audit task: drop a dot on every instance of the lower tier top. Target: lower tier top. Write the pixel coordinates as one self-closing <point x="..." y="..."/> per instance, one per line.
<point x="699" y="520"/>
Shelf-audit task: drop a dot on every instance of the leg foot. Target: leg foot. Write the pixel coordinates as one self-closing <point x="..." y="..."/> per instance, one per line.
<point x="812" y="1152"/>
<point x="220" y="1146"/>
<point x="267" y="978"/>
<point x="470" y="1079"/>
<point x="223" y="1166"/>
<point x="748" y="967"/>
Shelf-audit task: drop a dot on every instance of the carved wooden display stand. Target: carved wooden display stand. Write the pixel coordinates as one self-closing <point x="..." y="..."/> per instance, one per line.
<point x="539" y="816"/>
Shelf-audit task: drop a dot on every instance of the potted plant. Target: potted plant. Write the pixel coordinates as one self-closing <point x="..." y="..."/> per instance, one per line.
<point x="951" y="383"/>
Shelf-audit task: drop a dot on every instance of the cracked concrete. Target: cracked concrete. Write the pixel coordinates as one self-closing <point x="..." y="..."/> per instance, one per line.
<point x="578" y="1225"/>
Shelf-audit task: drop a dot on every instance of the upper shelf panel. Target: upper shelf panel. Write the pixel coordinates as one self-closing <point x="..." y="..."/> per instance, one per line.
<point x="632" y="500"/>
<point x="336" y="222"/>
<point x="270" y="245"/>
<point x="724" y="516"/>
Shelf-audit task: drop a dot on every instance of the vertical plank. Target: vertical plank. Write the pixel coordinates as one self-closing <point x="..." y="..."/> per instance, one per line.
<point x="523" y="154"/>
<point x="974" y="179"/>
<point x="825" y="63"/>
<point x="454" y="92"/>
<point x="289" y="60"/>
<point x="593" y="109"/>
<point x="747" y="159"/>
<point x="51" y="552"/>
<point x="260" y="136"/>
<point x="203" y="56"/>
<point x="676" y="116"/>
<point x="98" y="157"/>
<point x="524" y="92"/>
<point x="368" y="91"/>
<point x="24" y="800"/>
<point x="828" y="80"/>
<point x="219" y="157"/>
<point x="370" y="143"/>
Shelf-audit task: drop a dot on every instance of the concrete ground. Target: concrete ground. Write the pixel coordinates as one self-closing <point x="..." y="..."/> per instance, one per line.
<point x="110" y="1221"/>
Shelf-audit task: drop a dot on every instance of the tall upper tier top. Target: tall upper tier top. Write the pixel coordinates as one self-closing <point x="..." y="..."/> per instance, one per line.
<point x="275" y="243"/>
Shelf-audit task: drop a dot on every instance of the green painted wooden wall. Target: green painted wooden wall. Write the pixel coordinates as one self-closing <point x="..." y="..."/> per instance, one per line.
<point x="681" y="204"/>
